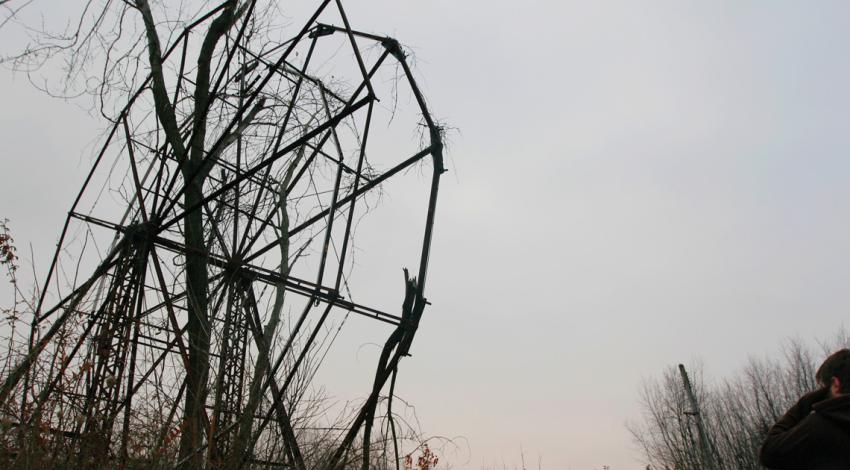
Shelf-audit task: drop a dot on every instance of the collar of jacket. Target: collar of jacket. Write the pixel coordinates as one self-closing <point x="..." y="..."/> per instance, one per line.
<point x="833" y="404"/>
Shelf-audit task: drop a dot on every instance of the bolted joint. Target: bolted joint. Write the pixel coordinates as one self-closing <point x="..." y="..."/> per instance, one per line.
<point x="235" y="270"/>
<point x="394" y="48"/>
<point x="142" y="233"/>
<point x="320" y="30"/>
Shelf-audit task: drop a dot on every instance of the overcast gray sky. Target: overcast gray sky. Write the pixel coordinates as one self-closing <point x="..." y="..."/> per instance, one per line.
<point x="633" y="185"/>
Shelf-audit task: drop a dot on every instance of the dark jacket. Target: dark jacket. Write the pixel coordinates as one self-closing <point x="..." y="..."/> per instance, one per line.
<point x="813" y="435"/>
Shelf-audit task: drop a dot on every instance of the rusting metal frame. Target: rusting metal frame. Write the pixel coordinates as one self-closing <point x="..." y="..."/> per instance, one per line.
<point x="143" y="186"/>
<point x="52" y="383"/>
<point x="172" y="318"/>
<point x="266" y="162"/>
<point x="291" y="283"/>
<point x="227" y="129"/>
<point x="270" y="379"/>
<point x="212" y="95"/>
<point x="394" y="349"/>
<point x="168" y="205"/>
<point x="154" y="343"/>
<point x="330" y="211"/>
<point x="134" y="344"/>
<point x="136" y="183"/>
<point x="96" y="164"/>
<point x="102" y="152"/>
<point x="166" y="350"/>
<point x="228" y="390"/>
<point x="115" y="327"/>
<point x="180" y="72"/>
<point x="330" y="305"/>
<point x="7" y="387"/>
<point x="283" y="419"/>
<point x="400" y="342"/>
<point x="347" y="199"/>
<point x="142" y="267"/>
<point x="167" y="424"/>
<point x="73" y="299"/>
<point x="345" y="242"/>
<point x="333" y="205"/>
<point x="237" y="190"/>
<point x="231" y="286"/>
<point x="268" y="219"/>
<point x="355" y="32"/>
<point x="285" y="68"/>
<point x="159" y="305"/>
<point x="282" y="356"/>
<point x="346" y="103"/>
<point x="346" y="237"/>
<point x="295" y="92"/>
<point x="345" y="168"/>
<point x="227" y="186"/>
<point x="228" y="396"/>
<point x="355" y="48"/>
<point x="34" y="348"/>
<point x="282" y="131"/>
<point x="308" y="162"/>
<point x="37" y="316"/>
<point x="224" y="205"/>
<point x="438" y="169"/>
<point x="215" y="233"/>
<point x="109" y="360"/>
<point x="169" y="307"/>
<point x="77" y="199"/>
<point x="250" y="220"/>
<point x="222" y="163"/>
<point x="160" y="344"/>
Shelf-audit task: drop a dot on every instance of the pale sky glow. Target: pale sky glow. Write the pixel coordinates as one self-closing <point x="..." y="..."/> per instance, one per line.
<point x="631" y="185"/>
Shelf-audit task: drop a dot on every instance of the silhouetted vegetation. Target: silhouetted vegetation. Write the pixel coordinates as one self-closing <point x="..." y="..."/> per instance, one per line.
<point x="737" y="411"/>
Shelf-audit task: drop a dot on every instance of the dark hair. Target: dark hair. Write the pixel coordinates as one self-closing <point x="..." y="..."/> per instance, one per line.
<point x="836" y="365"/>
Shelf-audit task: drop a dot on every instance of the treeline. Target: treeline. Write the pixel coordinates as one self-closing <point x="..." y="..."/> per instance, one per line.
<point x="736" y="411"/>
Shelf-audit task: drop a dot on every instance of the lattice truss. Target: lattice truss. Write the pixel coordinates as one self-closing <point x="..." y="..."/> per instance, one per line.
<point x="293" y="161"/>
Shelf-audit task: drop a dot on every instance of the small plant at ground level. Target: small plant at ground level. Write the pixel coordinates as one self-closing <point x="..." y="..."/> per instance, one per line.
<point x="427" y="461"/>
<point x="7" y="248"/>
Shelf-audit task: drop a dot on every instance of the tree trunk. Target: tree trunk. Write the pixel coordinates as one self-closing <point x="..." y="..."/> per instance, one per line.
<point x="198" y="329"/>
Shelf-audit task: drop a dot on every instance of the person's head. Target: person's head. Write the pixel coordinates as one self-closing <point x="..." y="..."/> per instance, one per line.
<point x="834" y="373"/>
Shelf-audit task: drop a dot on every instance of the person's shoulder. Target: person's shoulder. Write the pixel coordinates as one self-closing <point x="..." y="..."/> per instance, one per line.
<point x="831" y="420"/>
